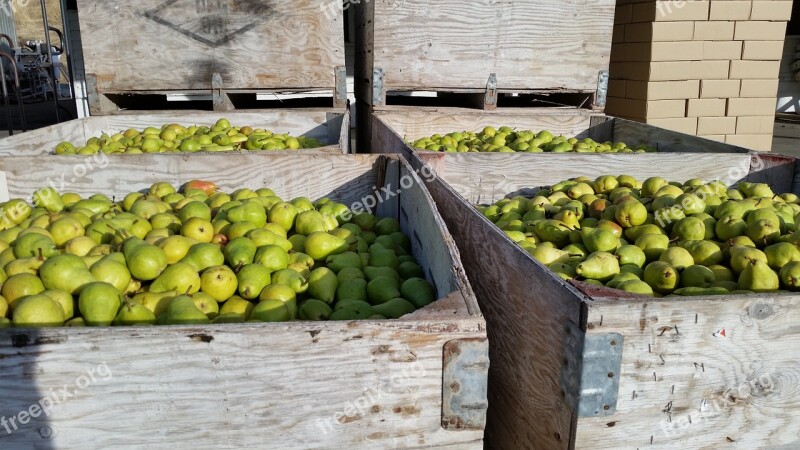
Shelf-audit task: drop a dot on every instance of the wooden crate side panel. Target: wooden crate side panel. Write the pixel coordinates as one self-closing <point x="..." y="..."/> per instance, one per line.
<point x="176" y="45"/>
<point x="526" y="311"/>
<point x="348" y="178"/>
<point x="488" y="177"/>
<point x="529" y="44"/>
<point x="327" y="125"/>
<point x="293" y="386"/>
<point x="701" y="373"/>
<point x="634" y="133"/>
<point x="414" y="123"/>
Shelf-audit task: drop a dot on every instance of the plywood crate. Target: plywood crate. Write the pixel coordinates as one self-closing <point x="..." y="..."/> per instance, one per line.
<point x="482" y="175"/>
<point x="419" y="381"/>
<point x="576" y="367"/>
<point x="477" y="52"/>
<point x="217" y="48"/>
<point x="329" y="125"/>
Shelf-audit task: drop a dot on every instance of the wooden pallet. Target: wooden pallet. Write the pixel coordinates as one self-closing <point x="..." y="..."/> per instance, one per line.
<point x="298" y="385"/>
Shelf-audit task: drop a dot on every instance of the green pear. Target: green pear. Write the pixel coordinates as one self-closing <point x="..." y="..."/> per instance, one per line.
<point x="355" y="289"/>
<point x="23" y="265"/>
<point x="194" y="209"/>
<point x="662" y="277"/>
<point x="599" y="240"/>
<point x="705" y="253"/>
<point x="64" y="272"/>
<point x="387" y="225"/>
<point x="565" y="271"/>
<point x="790" y="275"/>
<point x="183" y="311"/>
<point x="64" y="299"/>
<point x="689" y="229"/>
<point x="780" y="254"/>
<point x="373" y="272"/>
<point x="79" y="246"/>
<point x="734" y="208"/>
<point x="252" y="279"/>
<point x="729" y="227"/>
<point x="631" y="254"/>
<point x="651" y="185"/>
<point x="548" y="255"/>
<point x="176" y="247"/>
<point x="301" y="259"/>
<point x="291" y="278"/>
<point x="249" y="212"/>
<point x="630" y="268"/>
<point x="308" y="222"/>
<point x="741" y="257"/>
<point x="36" y="311"/>
<point x="229" y="318"/>
<point x="353" y="310"/>
<point x="145" y="261"/>
<point x="49" y="199"/>
<point x="206" y="303"/>
<point x="394" y="308"/>
<point x="677" y="257"/>
<point x="283" y="293"/>
<point x="133" y="313"/>
<point x="763" y="232"/>
<point x="633" y="233"/>
<point x="553" y="231"/>
<point x="697" y="276"/>
<point x="284" y="215"/>
<point x="263" y="236"/>
<point x="313" y="309"/>
<point x="236" y="306"/>
<point x="180" y="277"/>
<point x="238" y="229"/>
<point x="630" y="213"/>
<point x="201" y="256"/>
<point x="99" y="303"/>
<point x="382" y="289"/>
<point x="239" y="251"/>
<point x="730" y="286"/>
<point x="381" y="256"/>
<point x="653" y="245"/>
<point x="298" y="242"/>
<point x="722" y="273"/>
<point x="155" y="302"/>
<point x="320" y="245"/>
<point x="600" y="266"/>
<point x="219" y="282"/>
<point x="410" y="269"/>
<point x="700" y="291"/>
<point x="621" y="278"/>
<point x="65" y="229"/>
<point x="34" y="244"/>
<point x="342" y="260"/>
<point x="636" y="287"/>
<point x="758" y="277"/>
<point x="271" y="311"/>
<point x="351" y="273"/>
<point x="272" y="257"/>
<point x="322" y="284"/>
<point x="110" y="270"/>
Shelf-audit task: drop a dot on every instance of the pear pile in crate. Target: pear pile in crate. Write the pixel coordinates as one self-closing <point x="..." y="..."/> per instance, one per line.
<point x="506" y="140"/>
<point x="659" y="238"/>
<point x="221" y="137"/>
<point x="200" y="256"/>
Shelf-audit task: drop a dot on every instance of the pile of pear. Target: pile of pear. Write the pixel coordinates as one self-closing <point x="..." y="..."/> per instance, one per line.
<point x="200" y="256"/>
<point x="506" y="140"/>
<point x="659" y="238"/>
<point x="221" y="137"/>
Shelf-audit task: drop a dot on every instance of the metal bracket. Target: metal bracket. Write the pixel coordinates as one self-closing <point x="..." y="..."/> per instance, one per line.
<point x="218" y="96"/>
<point x="378" y="92"/>
<point x="465" y="379"/>
<point x="591" y="371"/>
<point x="490" y="98"/>
<point x="340" y="91"/>
<point x="602" y="89"/>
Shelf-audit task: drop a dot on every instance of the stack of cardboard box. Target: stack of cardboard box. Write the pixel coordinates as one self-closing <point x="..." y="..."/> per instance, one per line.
<point x="708" y="68"/>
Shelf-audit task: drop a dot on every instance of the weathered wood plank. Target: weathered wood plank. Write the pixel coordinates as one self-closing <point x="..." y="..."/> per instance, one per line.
<point x="178" y="45"/>
<point x="696" y="387"/>
<point x="329" y="125"/>
<point x="455" y="45"/>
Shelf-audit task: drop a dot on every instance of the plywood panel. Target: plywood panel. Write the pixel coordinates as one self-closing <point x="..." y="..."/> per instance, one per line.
<point x="156" y="45"/>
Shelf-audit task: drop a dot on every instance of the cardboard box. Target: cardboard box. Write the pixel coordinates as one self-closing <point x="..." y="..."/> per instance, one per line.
<point x="763" y="50"/>
<point x="711" y="70"/>
<point x="761" y="142"/>
<point x="759" y="88"/>
<point x="716" y="125"/>
<point x="686" y="125"/>
<point x="652" y="71"/>
<point x="706" y="107"/>
<point x="722" y="50"/>
<point x="616" y="88"/>
<point x="759" y="31"/>
<point x="674" y="11"/>
<point x="659" y="31"/>
<point x="755" y="124"/>
<point x="719" y="88"/>
<point x="618" y="35"/>
<point x="644" y="109"/>
<point x="754" y="70"/>
<point x="631" y="52"/>
<point x="662" y="90"/>
<point x="729" y="10"/>
<point x="771" y="10"/>
<point x="677" y="51"/>
<point x="751" y="106"/>
<point x="622" y="14"/>
<point x="713" y="137"/>
<point x="713" y="31"/>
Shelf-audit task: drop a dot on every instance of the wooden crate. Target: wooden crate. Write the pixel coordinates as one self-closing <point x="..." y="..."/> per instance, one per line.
<point x="211" y="47"/>
<point x="481" y="176"/>
<point x="591" y="369"/>
<point x="472" y="54"/>
<point x="329" y="125"/>
<point x="419" y="381"/>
